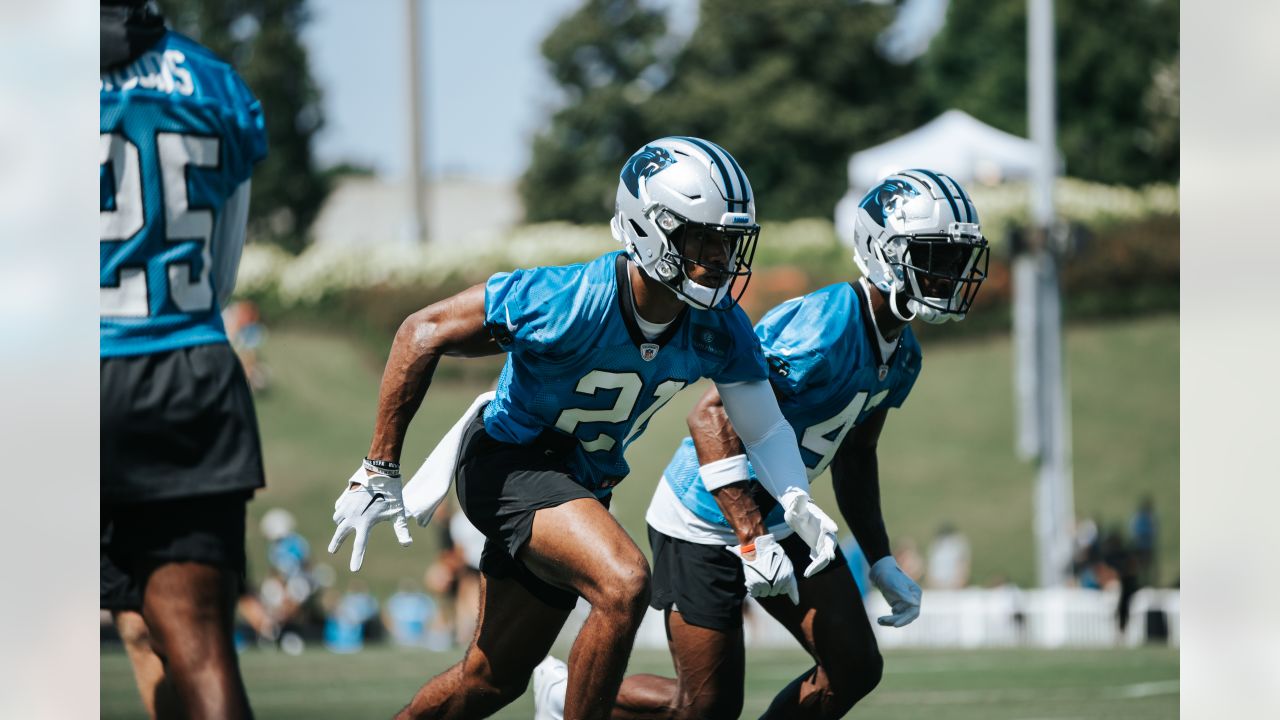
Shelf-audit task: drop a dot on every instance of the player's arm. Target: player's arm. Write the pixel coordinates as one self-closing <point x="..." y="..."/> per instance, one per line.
<point x="766" y="568"/>
<point x="753" y="414"/>
<point x="855" y="475"/>
<point x="720" y="451"/>
<point x="455" y="326"/>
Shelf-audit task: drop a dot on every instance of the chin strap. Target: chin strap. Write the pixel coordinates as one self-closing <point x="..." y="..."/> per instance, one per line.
<point x="893" y="305"/>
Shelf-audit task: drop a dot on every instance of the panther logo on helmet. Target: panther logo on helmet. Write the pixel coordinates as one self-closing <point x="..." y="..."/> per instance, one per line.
<point x="881" y="202"/>
<point x="645" y="163"/>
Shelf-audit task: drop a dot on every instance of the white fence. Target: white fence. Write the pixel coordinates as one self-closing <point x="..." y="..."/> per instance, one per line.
<point x="977" y="617"/>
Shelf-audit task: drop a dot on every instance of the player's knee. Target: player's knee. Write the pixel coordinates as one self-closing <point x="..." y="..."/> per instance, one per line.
<point x="711" y="705"/>
<point x="849" y="681"/>
<point x="491" y="688"/>
<point x="626" y="591"/>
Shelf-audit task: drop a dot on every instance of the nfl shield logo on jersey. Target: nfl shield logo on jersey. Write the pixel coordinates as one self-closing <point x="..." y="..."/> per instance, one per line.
<point x="648" y="351"/>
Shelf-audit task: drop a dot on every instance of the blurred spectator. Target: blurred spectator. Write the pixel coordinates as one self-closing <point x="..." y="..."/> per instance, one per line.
<point x="1143" y="535"/>
<point x="1117" y="557"/>
<point x="454" y="578"/>
<point x="406" y="615"/>
<point x="1087" y="552"/>
<point x="286" y="607"/>
<point x="246" y="333"/>
<point x="353" y="620"/>
<point x="949" y="560"/>
<point x="857" y="564"/>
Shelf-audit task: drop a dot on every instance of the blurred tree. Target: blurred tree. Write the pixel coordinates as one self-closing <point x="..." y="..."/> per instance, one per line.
<point x="262" y="39"/>
<point x="606" y="57"/>
<point x="1117" y="67"/>
<point x="789" y="88"/>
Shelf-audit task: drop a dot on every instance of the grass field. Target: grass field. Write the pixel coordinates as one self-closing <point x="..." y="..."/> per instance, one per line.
<point x="918" y="685"/>
<point x="946" y="456"/>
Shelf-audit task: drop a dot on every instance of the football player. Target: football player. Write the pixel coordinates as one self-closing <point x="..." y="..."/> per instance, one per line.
<point x="839" y="359"/>
<point x="180" y="134"/>
<point x="593" y="351"/>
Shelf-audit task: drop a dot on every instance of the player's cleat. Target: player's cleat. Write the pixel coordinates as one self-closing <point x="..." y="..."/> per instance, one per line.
<point x="550" y="679"/>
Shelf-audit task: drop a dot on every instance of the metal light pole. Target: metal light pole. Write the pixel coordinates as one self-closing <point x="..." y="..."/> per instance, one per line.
<point x="417" y="188"/>
<point x="1043" y="404"/>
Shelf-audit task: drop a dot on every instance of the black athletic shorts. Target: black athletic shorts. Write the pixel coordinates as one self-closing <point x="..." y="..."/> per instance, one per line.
<point x="706" y="583"/>
<point x="500" y="485"/>
<point x="137" y="538"/>
<point x="177" y="424"/>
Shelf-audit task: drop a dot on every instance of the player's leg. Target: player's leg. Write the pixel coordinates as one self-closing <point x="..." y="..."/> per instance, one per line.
<point x="157" y="692"/>
<point x="709" y="667"/>
<point x="514" y="631"/>
<point x="189" y="608"/>
<point x="700" y="589"/>
<point x="579" y="545"/>
<point x="556" y="542"/>
<point x="831" y="624"/>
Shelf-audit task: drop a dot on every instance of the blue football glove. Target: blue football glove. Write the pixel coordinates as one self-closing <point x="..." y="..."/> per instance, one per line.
<point x="900" y="591"/>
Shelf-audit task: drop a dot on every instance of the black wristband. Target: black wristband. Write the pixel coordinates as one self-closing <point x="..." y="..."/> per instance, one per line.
<point x="385" y="467"/>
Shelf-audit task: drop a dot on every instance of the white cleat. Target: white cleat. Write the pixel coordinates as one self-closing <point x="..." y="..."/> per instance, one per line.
<point x="550" y="679"/>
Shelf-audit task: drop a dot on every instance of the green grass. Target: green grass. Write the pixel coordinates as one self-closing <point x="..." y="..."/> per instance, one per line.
<point x="946" y="456"/>
<point x="918" y="684"/>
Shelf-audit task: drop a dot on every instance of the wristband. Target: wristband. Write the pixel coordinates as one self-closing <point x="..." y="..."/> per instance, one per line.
<point x="748" y="548"/>
<point x="382" y="467"/>
<point x="716" y="475"/>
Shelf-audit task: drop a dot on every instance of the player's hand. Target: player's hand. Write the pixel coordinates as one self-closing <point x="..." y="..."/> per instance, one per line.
<point x="768" y="569"/>
<point x="367" y="501"/>
<point x="899" y="590"/>
<point x="813" y="526"/>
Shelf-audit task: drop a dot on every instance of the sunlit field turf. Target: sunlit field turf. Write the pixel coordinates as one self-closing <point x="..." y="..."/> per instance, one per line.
<point x="946" y="456"/>
<point x="918" y="684"/>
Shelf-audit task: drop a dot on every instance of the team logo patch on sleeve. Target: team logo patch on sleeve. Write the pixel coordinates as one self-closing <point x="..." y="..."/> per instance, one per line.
<point x="710" y="341"/>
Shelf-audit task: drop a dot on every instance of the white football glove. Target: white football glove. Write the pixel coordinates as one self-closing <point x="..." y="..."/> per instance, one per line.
<point x="813" y="526"/>
<point x="899" y="590"/>
<point x="769" y="572"/>
<point x="374" y="499"/>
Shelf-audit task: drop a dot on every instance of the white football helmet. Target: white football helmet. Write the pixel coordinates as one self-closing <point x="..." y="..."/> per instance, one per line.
<point x="685" y="202"/>
<point x="917" y="233"/>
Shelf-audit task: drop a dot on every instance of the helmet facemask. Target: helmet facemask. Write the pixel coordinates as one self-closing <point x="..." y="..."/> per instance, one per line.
<point x="701" y="262"/>
<point x="941" y="273"/>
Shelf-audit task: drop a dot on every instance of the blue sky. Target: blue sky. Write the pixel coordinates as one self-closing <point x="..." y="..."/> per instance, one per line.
<point x="486" y="87"/>
<point x="487" y="91"/>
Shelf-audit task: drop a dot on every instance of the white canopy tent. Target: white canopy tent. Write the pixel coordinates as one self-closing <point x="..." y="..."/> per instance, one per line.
<point x="955" y="143"/>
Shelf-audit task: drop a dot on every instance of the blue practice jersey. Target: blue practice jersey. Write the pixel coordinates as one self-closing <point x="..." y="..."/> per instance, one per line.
<point x="179" y="134"/>
<point x="578" y="364"/>
<point x="825" y="368"/>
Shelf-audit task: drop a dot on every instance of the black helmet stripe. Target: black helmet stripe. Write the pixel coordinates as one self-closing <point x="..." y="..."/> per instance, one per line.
<point x="724" y="173"/>
<point x="973" y="211"/>
<point x="945" y="190"/>
<point x="737" y="169"/>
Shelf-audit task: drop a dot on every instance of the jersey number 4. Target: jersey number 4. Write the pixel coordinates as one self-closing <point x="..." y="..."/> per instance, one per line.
<point x="629" y="385"/>
<point x="190" y="291"/>
<point x="824" y="438"/>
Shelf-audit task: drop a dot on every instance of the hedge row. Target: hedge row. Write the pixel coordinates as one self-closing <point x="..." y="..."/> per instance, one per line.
<point x="1127" y="262"/>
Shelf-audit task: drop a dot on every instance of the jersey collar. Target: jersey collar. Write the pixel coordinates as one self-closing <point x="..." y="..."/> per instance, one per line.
<point x="884" y="349"/>
<point x="627" y="306"/>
